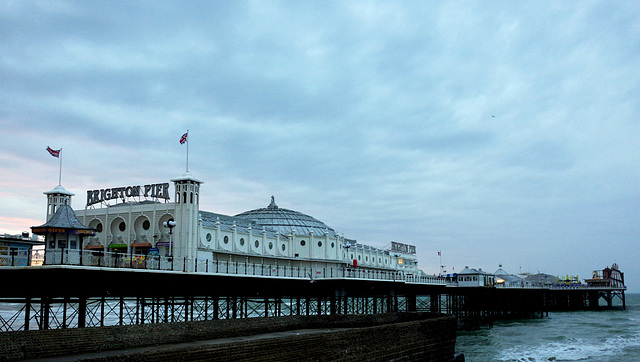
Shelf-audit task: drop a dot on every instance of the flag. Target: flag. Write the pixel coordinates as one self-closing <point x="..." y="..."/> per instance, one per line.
<point x="438" y="253"/>
<point x="54" y="153"/>
<point x="183" y="139"/>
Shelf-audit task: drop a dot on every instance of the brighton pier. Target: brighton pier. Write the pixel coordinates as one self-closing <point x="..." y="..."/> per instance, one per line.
<point x="151" y="261"/>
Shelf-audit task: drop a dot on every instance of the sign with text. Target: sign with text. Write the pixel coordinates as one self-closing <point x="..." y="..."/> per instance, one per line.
<point x="157" y="191"/>
<point x="402" y="248"/>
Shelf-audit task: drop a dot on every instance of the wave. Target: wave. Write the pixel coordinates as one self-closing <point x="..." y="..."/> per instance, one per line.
<point x="574" y="349"/>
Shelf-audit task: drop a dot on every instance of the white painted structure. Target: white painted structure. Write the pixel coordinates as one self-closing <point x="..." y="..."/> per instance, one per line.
<point x="126" y="222"/>
<point x="475" y="278"/>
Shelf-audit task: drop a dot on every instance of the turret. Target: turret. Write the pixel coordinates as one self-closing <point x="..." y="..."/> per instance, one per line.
<point x="187" y="200"/>
<point x="55" y="198"/>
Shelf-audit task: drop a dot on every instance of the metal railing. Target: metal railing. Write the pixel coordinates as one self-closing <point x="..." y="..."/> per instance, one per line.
<point x="14" y="258"/>
<point x="196" y="265"/>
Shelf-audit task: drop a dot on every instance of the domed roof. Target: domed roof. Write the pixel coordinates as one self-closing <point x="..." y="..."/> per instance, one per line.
<point x="285" y="220"/>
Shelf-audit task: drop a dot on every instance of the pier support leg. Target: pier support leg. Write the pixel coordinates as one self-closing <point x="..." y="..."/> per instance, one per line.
<point x="27" y="313"/>
<point x="82" y="312"/>
<point x="411" y="303"/>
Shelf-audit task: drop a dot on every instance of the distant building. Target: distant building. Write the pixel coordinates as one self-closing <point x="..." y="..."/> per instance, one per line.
<point x="541" y="280"/>
<point x="18" y="250"/>
<point x="507" y="280"/>
<point x="475" y="278"/>
<point x="610" y="277"/>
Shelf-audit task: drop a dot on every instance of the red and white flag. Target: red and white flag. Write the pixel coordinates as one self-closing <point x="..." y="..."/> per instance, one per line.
<point x="54" y="153"/>
<point x="183" y="139"/>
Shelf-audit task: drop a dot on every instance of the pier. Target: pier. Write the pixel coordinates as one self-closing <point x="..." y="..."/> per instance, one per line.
<point x="79" y="296"/>
<point x="145" y="265"/>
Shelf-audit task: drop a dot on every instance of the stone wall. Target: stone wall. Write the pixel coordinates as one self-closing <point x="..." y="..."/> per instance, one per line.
<point x="383" y="337"/>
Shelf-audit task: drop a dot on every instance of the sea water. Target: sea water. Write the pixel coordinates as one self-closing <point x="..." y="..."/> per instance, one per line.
<point x="603" y="336"/>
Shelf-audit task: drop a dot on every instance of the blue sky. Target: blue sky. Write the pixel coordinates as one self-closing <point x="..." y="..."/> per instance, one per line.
<point x="496" y="132"/>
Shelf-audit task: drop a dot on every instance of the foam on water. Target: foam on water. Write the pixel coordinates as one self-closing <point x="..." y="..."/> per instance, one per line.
<point x="571" y="350"/>
<point x="602" y="336"/>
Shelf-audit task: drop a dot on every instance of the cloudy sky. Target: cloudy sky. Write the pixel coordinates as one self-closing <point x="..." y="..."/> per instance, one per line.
<point x="497" y="132"/>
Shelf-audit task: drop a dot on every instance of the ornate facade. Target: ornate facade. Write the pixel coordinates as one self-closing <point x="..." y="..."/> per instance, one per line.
<point x="270" y="235"/>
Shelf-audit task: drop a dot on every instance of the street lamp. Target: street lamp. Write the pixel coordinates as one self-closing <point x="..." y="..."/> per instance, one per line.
<point x="347" y="245"/>
<point x="170" y="224"/>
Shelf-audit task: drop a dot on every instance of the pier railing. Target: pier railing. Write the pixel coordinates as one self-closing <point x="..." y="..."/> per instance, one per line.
<point x="198" y="265"/>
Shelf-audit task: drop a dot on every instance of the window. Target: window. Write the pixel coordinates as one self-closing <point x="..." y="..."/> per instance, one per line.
<point x="333" y="245"/>
<point x="208" y="236"/>
<point x="303" y="243"/>
<point x="257" y="243"/>
<point x="271" y="245"/>
<point x="122" y="226"/>
<point x="99" y="227"/>
<point x="146" y="224"/>
<point x="283" y="247"/>
<point x="241" y="241"/>
<point x="226" y="240"/>
<point x="319" y="243"/>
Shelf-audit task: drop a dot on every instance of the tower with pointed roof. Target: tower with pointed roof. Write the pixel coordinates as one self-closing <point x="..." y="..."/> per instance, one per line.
<point x="55" y="198"/>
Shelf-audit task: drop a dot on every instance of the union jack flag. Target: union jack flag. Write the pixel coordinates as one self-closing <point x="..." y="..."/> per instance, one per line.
<point x="183" y="139"/>
<point x="54" y="153"/>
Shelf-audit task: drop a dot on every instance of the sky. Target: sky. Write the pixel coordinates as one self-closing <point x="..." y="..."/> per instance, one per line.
<point x="496" y="132"/>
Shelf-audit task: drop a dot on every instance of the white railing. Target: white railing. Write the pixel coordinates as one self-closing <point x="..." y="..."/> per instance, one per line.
<point x="150" y="262"/>
<point x="559" y="286"/>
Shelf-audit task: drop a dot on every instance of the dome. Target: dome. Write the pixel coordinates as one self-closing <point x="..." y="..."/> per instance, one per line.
<point x="285" y="220"/>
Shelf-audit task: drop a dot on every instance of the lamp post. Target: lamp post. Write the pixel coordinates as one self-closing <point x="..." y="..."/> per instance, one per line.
<point x="347" y="245"/>
<point x="170" y="224"/>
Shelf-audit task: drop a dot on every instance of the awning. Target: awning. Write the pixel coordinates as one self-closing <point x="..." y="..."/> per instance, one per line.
<point x="163" y="243"/>
<point x="94" y="247"/>
<point x="142" y="245"/>
<point x="116" y="246"/>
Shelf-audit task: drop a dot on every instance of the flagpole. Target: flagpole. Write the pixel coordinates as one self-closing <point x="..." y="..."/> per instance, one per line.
<point x="60" y="170"/>
<point x="187" y="150"/>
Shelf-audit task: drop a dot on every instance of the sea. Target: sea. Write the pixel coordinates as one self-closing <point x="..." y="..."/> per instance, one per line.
<point x="603" y="336"/>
